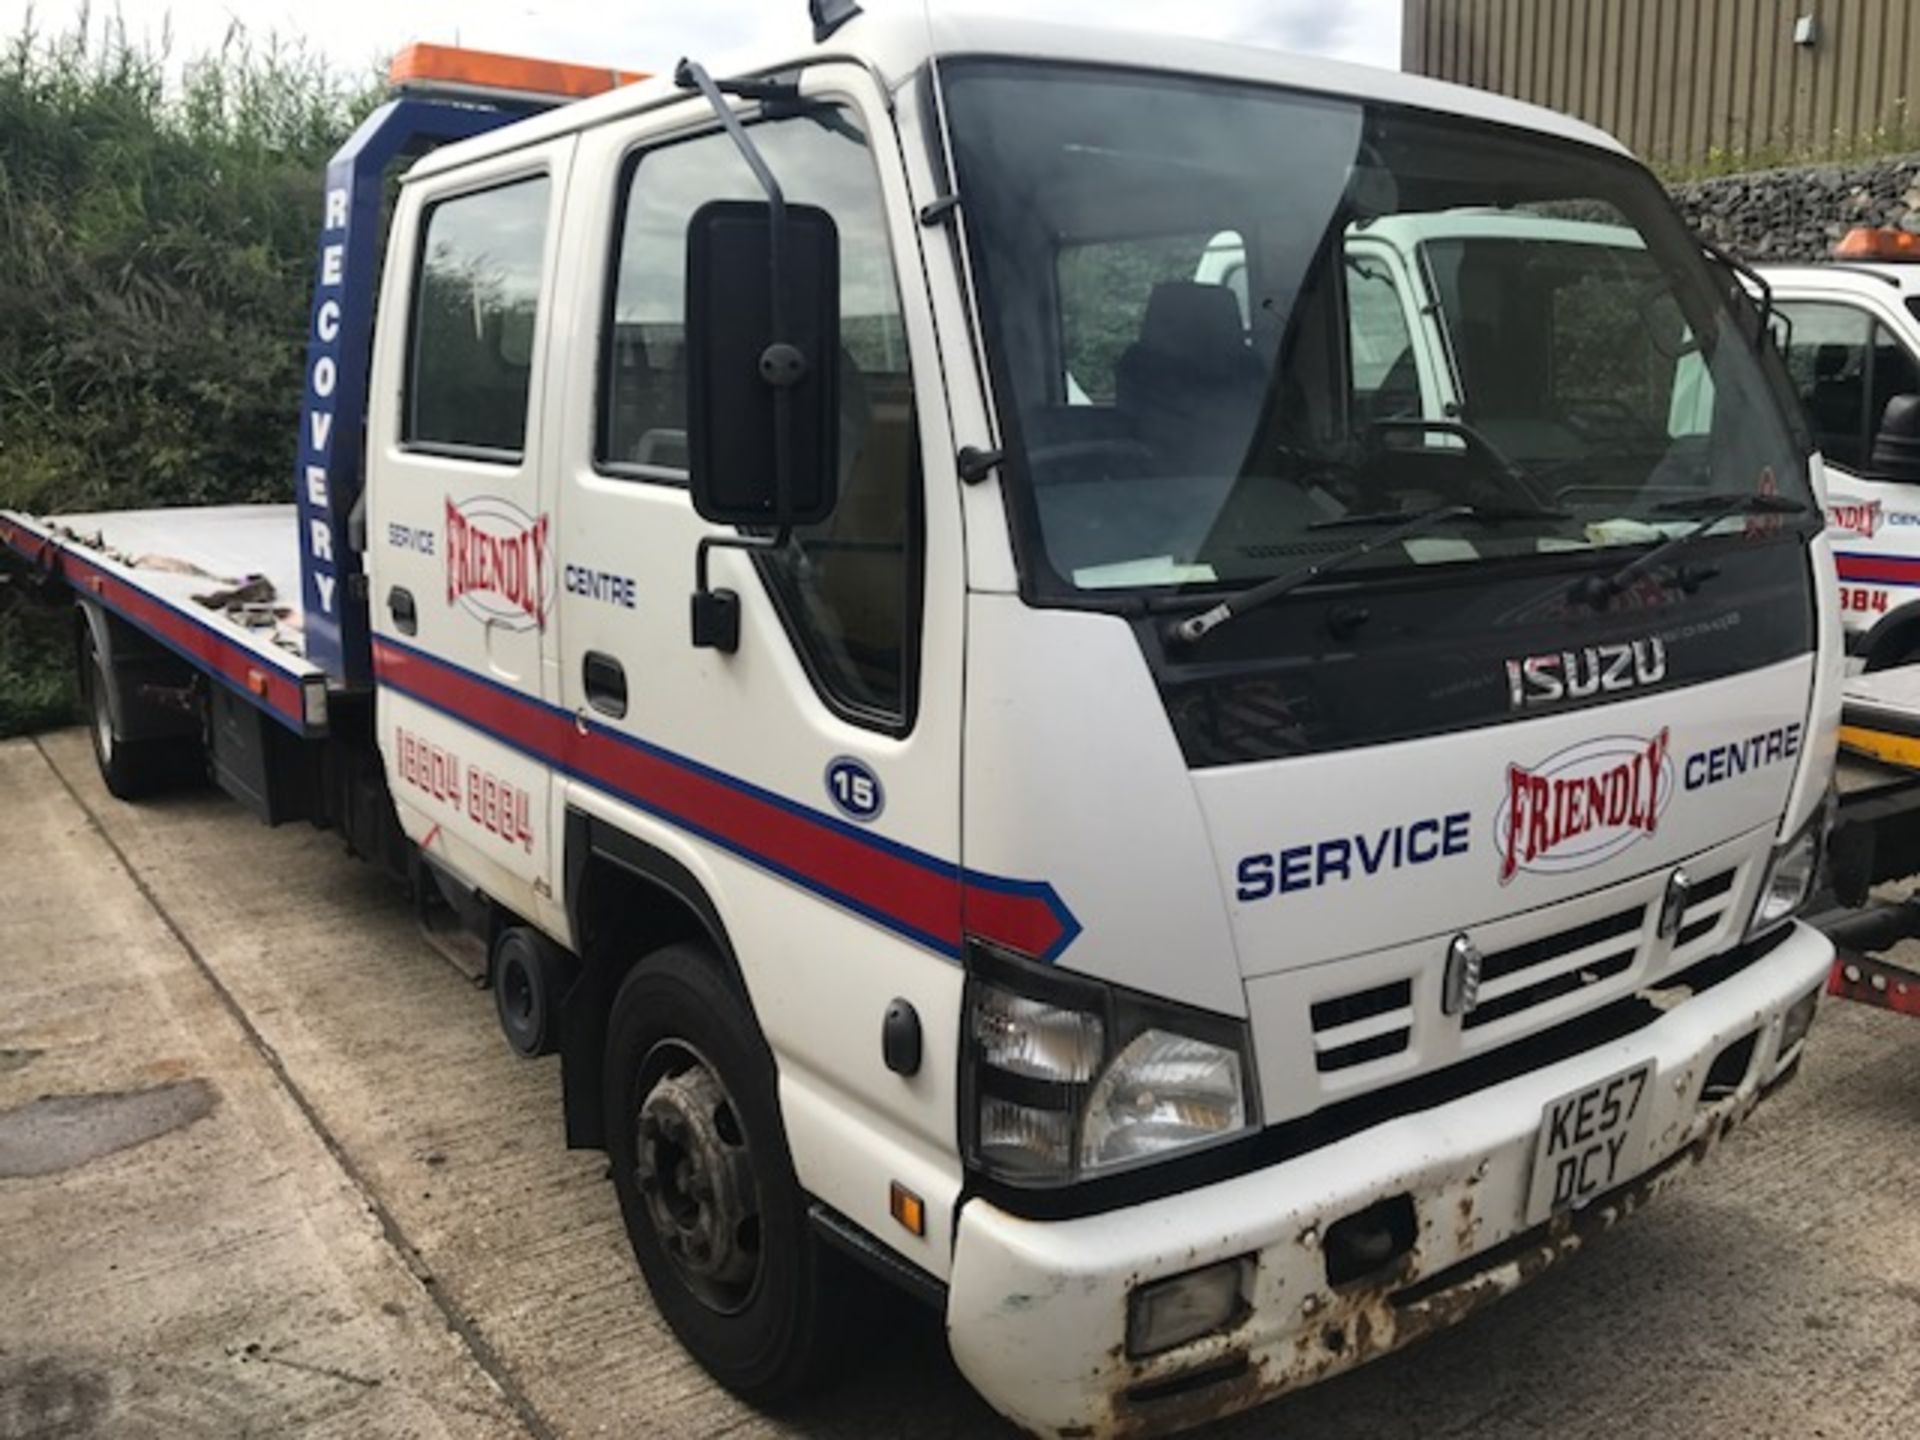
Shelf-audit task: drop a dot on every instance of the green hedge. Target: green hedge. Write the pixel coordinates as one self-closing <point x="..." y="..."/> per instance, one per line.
<point x="157" y="239"/>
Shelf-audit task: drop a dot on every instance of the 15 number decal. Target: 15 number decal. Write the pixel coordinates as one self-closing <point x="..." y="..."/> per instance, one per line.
<point x="855" y="790"/>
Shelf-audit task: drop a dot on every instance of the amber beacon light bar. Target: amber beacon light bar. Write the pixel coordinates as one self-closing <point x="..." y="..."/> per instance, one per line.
<point x="446" y="70"/>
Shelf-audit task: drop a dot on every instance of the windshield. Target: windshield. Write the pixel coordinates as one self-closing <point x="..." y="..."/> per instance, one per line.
<point x="1230" y="324"/>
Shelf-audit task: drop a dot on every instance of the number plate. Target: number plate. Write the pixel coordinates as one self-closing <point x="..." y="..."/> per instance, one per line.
<point x="1590" y="1141"/>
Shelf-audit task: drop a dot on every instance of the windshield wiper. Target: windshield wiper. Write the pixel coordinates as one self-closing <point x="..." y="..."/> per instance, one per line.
<point x="1710" y="509"/>
<point x="1412" y="523"/>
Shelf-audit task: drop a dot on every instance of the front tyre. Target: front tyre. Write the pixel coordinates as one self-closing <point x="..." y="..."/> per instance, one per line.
<point x="713" y="1209"/>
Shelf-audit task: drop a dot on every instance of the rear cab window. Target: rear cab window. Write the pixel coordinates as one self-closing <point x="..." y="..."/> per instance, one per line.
<point x="475" y="314"/>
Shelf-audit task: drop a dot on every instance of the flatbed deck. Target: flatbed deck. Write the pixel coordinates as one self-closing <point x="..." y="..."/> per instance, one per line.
<point x="219" y="585"/>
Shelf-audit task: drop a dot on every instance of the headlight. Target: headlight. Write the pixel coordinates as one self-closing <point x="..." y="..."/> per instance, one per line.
<point x="1067" y="1079"/>
<point x="1163" y="1092"/>
<point x="1790" y="878"/>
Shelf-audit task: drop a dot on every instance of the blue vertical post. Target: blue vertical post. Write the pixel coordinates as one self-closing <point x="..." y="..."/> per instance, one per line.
<point x="328" y="473"/>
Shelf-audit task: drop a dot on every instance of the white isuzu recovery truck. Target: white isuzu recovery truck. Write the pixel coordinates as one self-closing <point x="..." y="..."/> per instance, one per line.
<point x="1118" y="800"/>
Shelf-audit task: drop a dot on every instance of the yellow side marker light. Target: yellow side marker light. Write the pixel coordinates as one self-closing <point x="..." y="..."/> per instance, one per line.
<point x="908" y="1208"/>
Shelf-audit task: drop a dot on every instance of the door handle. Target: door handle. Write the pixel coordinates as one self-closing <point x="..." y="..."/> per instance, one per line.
<point x="406" y="619"/>
<point x="606" y="682"/>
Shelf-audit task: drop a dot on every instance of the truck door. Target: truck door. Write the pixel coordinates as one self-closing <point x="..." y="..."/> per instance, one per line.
<point x="1847" y="362"/>
<point x="460" y="543"/>
<point x="808" y="782"/>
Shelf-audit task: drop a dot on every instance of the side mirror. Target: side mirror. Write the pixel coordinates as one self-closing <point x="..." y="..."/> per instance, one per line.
<point x="1896" y="446"/>
<point x="763" y="402"/>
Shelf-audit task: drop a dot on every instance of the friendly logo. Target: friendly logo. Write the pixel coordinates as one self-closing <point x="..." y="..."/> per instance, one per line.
<point x="498" y="567"/>
<point x="1861" y="517"/>
<point x="1582" y="806"/>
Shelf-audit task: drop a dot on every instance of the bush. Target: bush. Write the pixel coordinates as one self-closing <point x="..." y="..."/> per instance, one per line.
<point x="37" y="680"/>
<point x="157" y="244"/>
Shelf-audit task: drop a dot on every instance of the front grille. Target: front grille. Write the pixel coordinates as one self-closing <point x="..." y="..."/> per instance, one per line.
<point x="1554" y="965"/>
<point x="1347" y="1027"/>
<point x="1515" y="980"/>
<point x="1368" y="1024"/>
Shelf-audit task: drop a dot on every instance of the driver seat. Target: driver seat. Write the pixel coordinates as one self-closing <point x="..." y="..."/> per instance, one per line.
<point x="1190" y="386"/>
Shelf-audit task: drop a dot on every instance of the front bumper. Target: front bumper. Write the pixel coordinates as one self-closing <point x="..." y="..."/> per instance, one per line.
<point x="1037" y="1311"/>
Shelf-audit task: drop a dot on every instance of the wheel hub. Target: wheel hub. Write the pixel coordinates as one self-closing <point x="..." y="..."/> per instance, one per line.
<point x="695" y="1174"/>
<point x="519" y="996"/>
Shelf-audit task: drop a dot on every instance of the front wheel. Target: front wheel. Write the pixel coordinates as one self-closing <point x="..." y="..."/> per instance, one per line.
<point x="712" y="1206"/>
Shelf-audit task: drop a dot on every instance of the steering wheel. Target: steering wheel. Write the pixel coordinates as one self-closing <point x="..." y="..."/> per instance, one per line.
<point x="1509" y="473"/>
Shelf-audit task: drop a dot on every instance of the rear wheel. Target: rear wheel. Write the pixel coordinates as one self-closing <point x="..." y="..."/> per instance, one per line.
<point x="712" y="1206"/>
<point x="132" y="769"/>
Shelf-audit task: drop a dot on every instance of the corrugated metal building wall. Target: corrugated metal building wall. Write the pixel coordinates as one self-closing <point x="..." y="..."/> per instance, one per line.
<point x="1686" y="81"/>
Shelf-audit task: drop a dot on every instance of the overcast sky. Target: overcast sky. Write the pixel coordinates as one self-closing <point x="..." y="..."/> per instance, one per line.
<point x="652" y="34"/>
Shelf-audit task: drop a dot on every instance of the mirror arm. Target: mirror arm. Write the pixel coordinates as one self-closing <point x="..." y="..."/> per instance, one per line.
<point x="716" y="613"/>
<point x="773" y="543"/>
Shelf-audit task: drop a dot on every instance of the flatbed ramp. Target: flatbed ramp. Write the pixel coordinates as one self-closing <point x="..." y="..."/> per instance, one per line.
<point x="219" y="585"/>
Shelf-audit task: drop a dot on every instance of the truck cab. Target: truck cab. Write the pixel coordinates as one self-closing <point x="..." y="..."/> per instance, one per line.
<point x="1227" y="909"/>
<point x="1182" y="698"/>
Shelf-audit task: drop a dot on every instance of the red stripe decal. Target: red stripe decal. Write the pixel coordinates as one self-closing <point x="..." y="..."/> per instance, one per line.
<point x="1891" y="569"/>
<point x="916" y="894"/>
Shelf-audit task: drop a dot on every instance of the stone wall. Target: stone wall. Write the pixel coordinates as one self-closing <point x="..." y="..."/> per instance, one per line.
<point x="1798" y="213"/>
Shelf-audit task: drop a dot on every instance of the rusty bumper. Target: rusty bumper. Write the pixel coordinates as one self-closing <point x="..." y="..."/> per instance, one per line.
<point x="1037" y="1310"/>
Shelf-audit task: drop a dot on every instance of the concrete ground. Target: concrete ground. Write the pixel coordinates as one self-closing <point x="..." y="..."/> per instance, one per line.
<point x="266" y="1168"/>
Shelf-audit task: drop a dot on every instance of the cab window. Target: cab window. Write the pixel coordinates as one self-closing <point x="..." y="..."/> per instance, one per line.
<point x="1846" y="366"/>
<point x="848" y="589"/>
<point x="476" y="303"/>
